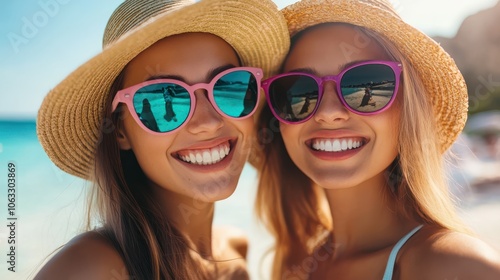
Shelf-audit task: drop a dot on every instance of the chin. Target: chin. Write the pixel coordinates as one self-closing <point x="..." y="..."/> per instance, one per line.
<point x="329" y="182"/>
<point x="215" y="191"/>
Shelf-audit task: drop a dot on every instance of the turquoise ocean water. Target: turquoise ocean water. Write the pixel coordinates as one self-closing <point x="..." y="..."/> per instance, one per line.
<point x="50" y="204"/>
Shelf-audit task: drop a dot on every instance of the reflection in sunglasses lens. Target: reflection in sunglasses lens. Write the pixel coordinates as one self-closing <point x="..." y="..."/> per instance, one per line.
<point x="294" y="97"/>
<point x="368" y="88"/>
<point x="162" y="107"/>
<point x="236" y="93"/>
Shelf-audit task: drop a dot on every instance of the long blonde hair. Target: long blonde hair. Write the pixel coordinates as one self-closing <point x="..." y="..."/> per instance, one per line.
<point x="290" y="206"/>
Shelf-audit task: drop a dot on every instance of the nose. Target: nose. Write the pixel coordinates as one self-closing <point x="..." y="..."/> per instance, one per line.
<point x="330" y="107"/>
<point x="205" y="118"/>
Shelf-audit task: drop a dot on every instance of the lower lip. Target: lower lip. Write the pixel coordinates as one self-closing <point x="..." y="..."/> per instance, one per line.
<point x="221" y="165"/>
<point x="335" y="156"/>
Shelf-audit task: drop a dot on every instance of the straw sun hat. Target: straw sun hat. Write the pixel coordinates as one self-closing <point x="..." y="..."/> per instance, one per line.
<point x="440" y="75"/>
<point x="70" y="117"/>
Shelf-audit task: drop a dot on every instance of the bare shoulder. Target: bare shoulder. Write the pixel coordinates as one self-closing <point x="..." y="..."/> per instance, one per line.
<point x="444" y="254"/>
<point x="234" y="238"/>
<point x="87" y="256"/>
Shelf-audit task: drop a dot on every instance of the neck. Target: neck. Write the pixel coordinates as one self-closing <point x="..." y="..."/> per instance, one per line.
<point x="363" y="220"/>
<point x="191" y="217"/>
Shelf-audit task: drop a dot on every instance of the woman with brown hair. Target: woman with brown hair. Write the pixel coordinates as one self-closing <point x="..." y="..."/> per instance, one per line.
<point x="155" y="185"/>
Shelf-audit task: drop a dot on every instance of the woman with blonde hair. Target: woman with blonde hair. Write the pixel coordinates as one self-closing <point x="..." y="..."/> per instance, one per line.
<point x="354" y="192"/>
<point x="155" y="185"/>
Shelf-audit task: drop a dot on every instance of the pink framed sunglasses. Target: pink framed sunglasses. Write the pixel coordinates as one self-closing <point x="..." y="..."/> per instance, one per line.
<point x="164" y="105"/>
<point x="364" y="88"/>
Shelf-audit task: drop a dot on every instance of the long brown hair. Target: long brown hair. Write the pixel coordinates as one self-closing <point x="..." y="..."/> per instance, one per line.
<point x="290" y="205"/>
<point x="150" y="245"/>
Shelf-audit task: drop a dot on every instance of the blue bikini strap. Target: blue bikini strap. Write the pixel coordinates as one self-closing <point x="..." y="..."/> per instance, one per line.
<point x="389" y="269"/>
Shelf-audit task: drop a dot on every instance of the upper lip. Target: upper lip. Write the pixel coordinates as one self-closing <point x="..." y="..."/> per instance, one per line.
<point x="208" y="144"/>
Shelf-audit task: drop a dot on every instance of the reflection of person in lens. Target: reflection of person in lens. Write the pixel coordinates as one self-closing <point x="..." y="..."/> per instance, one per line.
<point x="168" y="93"/>
<point x="367" y="98"/>
<point x="248" y="102"/>
<point x="305" y="107"/>
<point x="147" y="117"/>
<point x="289" y="110"/>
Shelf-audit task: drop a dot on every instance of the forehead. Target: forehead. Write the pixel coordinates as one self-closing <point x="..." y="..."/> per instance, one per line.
<point x="327" y="47"/>
<point x="188" y="55"/>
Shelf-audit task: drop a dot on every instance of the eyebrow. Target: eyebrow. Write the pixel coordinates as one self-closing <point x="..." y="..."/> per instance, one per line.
<point x="349" y="64"/>
<point x="210" y="75"/>
<point x="341" y="67"/>
<point x="304" y="70"/>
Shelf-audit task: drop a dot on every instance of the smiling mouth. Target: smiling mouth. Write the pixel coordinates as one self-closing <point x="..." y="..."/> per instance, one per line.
<point x="337" y="145"/>
<point x="205" y="156"/>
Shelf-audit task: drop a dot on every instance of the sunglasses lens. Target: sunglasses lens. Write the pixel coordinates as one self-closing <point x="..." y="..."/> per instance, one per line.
<point x="236" y="93"/>
<point x="293" y="97"/>
<point x="368" y="88"/>
<point x="162" y="107"/>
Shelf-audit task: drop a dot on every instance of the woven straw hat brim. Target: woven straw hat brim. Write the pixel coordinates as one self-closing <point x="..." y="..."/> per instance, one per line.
<point x="70" y="117"/>
<point x="441" y="77"/>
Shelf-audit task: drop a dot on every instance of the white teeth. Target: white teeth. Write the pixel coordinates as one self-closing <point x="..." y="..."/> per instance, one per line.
<point x="199" y="159"/>
<point x="206" y="156"/>
<point x="335" y="145"/>
<point x="316" y="145"/>
<point x="357" y="144"/>
<point x="215" y="155"/>
<point x="344" y="145"/>
<point x="328" y="146"/>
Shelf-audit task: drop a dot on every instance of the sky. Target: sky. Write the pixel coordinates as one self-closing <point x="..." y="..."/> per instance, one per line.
<point x="42" y="41"/>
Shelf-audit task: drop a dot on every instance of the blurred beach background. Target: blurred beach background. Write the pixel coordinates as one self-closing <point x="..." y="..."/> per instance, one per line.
<point x="42" y="41"/>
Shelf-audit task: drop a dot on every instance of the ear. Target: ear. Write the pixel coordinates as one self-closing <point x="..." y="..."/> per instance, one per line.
<point x="122" y="138"/>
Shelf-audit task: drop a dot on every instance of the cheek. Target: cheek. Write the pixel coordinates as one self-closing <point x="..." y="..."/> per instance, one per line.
<point x="290" y="135"/>
<point x="245" y="133"/>
<point x="290" y="131"/>
<point x="244" y="127"/>
<point x="145" y="145"/>
<point x="388" y="129"/>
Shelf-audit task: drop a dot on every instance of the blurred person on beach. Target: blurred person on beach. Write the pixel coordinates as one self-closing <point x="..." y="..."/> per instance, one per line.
<point x="493" y="143"/>
<point x="488" y="147"/>
<point x="154" y="187"/>
<point x="350" y="194"/>
<point x="484" y="131"/>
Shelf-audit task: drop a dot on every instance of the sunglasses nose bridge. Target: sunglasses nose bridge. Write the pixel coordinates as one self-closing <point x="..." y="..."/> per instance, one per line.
<point x="326" y="80"/>
<point x="204" y="87"/>
<point x="330" y="106"/>
<point x="328" y="83"/>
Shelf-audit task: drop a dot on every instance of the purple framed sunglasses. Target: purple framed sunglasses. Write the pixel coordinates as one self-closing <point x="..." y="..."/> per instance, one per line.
<point x="364" y="88"/>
